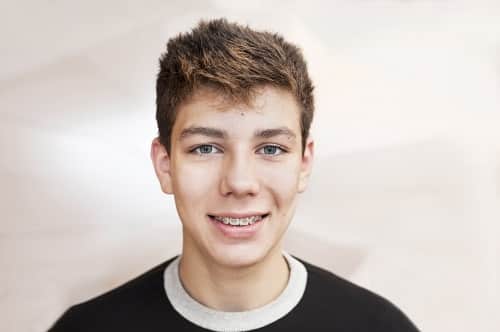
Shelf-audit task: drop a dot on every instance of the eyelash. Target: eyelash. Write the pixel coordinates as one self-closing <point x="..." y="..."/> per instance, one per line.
<point x="196" y="151"/>
<point x="280" y="148"/>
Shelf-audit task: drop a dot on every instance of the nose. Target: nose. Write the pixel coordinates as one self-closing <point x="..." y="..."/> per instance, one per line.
<point x="239" y="178"/>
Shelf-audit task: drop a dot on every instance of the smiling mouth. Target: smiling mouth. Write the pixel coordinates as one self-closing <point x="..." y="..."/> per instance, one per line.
<point x="239" y="222"/>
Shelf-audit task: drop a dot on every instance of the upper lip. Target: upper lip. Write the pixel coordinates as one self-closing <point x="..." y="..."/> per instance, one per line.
<point x="238" y="215"/>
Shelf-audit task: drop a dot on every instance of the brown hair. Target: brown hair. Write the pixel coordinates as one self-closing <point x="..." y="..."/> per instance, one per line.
<point x="234" y="60"/>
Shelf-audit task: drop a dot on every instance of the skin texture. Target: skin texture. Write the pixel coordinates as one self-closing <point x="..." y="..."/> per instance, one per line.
<point x="237" y="173"/>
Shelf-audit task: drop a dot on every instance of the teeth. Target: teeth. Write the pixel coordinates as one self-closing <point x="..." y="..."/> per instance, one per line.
<point x="238" y="221"/>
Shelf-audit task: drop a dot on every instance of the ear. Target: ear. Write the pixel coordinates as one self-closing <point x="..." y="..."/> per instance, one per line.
<point x="161" y="164"/>
<point x="306" y="164"/>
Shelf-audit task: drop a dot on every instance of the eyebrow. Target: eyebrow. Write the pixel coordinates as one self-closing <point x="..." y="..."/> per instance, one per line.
<point x="204" y="131"/>
<point x="268" y="133"/>
<point x="219" y="133"/>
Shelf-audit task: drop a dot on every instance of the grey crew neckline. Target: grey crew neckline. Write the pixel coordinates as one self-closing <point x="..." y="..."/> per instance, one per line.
<point x="215" y="320"/>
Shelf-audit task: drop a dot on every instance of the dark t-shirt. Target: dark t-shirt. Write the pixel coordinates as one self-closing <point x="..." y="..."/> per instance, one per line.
<point x="329" y="303"/>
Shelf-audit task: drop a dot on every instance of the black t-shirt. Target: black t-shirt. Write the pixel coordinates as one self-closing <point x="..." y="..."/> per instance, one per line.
<point x="329" y="303"/>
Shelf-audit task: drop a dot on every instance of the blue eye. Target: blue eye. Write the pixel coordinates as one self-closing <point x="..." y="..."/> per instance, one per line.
<point x="205" y="149"/>
<point x="272" y="150"/>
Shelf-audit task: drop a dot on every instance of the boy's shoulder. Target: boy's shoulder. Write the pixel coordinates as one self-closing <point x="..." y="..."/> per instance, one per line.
<point x="142" y="296"/>
<point x="343" y="305"/>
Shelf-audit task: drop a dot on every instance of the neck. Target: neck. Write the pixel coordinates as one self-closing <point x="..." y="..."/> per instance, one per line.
<point x="233" y="288"/>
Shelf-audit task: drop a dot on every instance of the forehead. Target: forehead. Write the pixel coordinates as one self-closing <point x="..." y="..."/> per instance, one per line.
<point x="269" y="107"/>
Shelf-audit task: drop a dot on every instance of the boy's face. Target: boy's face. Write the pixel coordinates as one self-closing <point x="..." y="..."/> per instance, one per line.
<point x="232" y="162"/>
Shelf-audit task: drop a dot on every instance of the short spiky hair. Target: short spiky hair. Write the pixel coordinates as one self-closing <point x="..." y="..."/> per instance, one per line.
<point x="234" y="60"/>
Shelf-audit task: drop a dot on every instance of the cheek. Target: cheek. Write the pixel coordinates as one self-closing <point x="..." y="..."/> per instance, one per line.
<point x="282" y="181"/>
<point x="192" y="184"/>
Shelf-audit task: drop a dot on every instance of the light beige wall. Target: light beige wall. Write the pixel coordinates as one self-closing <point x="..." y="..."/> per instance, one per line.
<point x="405" y="195"/>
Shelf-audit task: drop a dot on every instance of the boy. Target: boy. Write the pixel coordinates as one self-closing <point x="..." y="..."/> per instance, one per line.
<point x="234" y="108"/>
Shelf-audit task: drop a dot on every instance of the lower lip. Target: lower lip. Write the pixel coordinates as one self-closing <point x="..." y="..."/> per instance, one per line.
<point x="238" y="232"/>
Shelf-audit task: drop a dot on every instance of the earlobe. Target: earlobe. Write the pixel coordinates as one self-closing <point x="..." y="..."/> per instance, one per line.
<point x="161" y="164"/>
<point x="306" y="166"/>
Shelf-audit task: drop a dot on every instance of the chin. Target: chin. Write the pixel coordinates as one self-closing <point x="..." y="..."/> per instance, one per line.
<point x="239" y="255"/>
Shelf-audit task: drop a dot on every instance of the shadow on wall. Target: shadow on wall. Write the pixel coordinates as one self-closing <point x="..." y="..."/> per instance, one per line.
<point x="409" y="194"/>
<point x="342" y="260"/>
